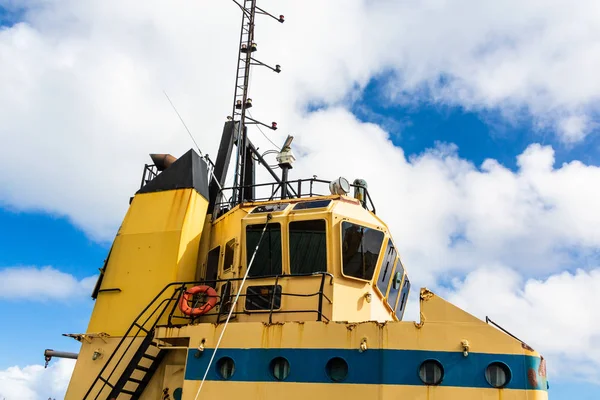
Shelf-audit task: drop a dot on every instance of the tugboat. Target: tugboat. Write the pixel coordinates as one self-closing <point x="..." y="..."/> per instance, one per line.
<point x="289" y="289"/>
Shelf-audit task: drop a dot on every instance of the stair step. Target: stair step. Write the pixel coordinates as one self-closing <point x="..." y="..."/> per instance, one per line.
<point x="142" y="368"/>
<point x="138" y="381"/>
<point x="130" y="392"/>
<point x="148" y="356"/>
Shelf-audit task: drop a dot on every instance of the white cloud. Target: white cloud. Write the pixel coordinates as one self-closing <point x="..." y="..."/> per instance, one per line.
<point x="34" y="382"/>
<point x="554" y="315"/>
<point x="450" y="216"/>
<point x="46" y="283"/>
<point x="83" y="102"/>
<point x="574" y="128"/>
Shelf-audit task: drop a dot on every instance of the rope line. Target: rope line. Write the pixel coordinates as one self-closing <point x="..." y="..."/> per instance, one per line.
<point x="237" y="296"/>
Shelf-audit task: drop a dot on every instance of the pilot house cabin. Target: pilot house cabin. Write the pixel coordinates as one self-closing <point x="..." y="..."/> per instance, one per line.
<point x="306" y="244"/>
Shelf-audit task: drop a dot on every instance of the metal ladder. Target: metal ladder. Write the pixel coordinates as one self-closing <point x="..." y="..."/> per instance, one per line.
<point x="147" y="352"/>
<point x="135" y="377"/>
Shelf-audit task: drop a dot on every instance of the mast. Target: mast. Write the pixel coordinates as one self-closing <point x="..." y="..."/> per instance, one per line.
<point x="235" y="130"/>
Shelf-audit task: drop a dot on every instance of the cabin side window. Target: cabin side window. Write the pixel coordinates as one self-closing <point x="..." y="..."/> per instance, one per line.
<point x="387" y="268"/>
<point x="396" y="285"/>
<point x="229" y="252"/>
<point x="268" y="257"/>
<point x="212" y="266"/>
<point x="308" y="247"/>
<point x="360" y="250"/>
<point x="403" y="299"/>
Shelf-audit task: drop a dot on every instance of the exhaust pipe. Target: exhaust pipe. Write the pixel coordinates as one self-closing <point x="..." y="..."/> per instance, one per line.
<point x="162" y="161"/>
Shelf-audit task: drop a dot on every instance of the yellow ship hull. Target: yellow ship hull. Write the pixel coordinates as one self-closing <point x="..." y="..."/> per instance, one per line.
<point x="382" y="359"/>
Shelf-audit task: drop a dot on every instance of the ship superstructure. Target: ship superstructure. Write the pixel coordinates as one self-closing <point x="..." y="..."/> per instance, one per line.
<point x="293" y="289"/>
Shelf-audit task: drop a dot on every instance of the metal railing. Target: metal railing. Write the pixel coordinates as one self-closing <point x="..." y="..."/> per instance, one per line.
<point x="295" y="189"/>
<point x="223" y="301"/>
<point x="150" y="172"/>
<point x="150" y="316"/>
<point x="143" y="323"/>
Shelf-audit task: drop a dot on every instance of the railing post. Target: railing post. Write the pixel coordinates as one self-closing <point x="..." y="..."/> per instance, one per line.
<point x="180" y="293"/>
<point x="273" y="299"/>
<point x="321" y="288"/>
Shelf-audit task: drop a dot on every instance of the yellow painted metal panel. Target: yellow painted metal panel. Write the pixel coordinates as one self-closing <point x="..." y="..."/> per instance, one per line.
<point x="140" y="266"/>
<point x="482" y="338"/>
<point x="157" y="244"/>
<point x="303" y="391"/>
<point x="157" y="212"/>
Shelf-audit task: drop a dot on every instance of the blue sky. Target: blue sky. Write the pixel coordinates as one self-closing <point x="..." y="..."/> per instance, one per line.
<point x="37" y="239"/>
<point x="492" y="239"/>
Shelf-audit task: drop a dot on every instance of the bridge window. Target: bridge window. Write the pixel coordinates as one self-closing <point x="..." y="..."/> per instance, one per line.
<point x="396" y="285"/>
<point x="270" y="208"/>
<point x="403" y="298"/>
<point x="387" y="268"/>
<point x="360" y="250"/>
<point x="266" y="297"/>
<point x="312" y="204"/>
<point x="308" y="247"/>
<point x="268" y="257"/>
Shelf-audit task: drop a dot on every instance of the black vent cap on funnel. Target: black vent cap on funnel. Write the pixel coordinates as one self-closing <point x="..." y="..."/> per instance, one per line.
<point x="187" y="172"/>
<point x="162" y="161"/>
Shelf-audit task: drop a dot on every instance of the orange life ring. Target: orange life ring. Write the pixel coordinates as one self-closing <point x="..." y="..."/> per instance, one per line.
<point x="206" y="307"/>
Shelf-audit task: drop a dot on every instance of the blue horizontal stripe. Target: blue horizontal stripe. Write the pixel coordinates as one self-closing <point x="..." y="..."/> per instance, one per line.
<point x="374" y="366"/>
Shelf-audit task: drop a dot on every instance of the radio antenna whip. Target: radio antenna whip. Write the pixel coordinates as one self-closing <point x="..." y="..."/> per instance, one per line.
<point x="183" y="122"/>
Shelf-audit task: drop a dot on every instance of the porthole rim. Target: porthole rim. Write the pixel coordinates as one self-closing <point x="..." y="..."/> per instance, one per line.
<point x="329" y="375"/>
<point x="218" y="369"/>
<point x="507" y="370"/>
<point x="439" y="363"/>
<point x="271" y="369"/>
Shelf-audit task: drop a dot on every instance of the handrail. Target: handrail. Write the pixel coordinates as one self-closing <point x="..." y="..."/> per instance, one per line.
<point x="179" y="290"/>
<point x="489" y="321"/>
<point x="126" y="335"/>
<point x="275" y="193"/>
<point x="320" y="293"/>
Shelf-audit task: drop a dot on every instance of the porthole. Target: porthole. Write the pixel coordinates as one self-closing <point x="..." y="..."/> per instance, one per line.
<point x="431" y="372"/>
<point x="226" y="367"/>
<point x="177" y="393"/>
<point x="497" y="374"/>
<point x="280" y="368"/>
<point x="337" y="369"/>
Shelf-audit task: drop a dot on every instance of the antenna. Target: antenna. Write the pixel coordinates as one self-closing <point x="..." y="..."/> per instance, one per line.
<point x="241" y="100"/>
<point x="235" y="128"/>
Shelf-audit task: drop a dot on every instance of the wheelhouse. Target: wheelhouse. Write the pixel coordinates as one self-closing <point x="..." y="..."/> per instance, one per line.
<point x="320" y="257"/>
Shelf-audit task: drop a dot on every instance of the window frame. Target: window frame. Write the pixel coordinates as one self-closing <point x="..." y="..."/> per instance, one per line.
<point x="311" y="209"/>
<point x="244" y="241"/>
<point x="393" y="306"/>
<point x="379" y="270"/>
<point x="288" y="267"/>
<point x="341" y="244"/>
<point x="404" y="280"/>
<point x="217" y="268"/>
<point x="231" y="268"/>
